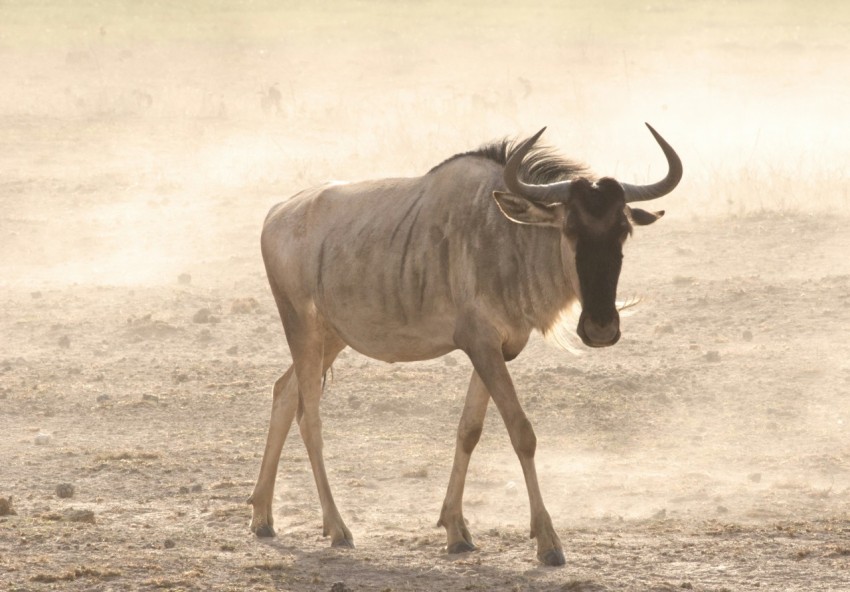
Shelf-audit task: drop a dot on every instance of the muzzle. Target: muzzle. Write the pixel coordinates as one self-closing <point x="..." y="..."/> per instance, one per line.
<point x="594" y="334"/>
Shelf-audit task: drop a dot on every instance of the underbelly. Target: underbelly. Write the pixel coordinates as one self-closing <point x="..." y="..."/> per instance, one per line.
<point x="410" y="342"/>
<point x="385" y="354"/>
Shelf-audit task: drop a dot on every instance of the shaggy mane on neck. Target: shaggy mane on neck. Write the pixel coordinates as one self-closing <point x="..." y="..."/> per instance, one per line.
<point x="541" y="165"/>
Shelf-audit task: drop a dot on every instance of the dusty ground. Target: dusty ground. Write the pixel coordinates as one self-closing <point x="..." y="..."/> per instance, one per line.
<point x="707" y="451"/>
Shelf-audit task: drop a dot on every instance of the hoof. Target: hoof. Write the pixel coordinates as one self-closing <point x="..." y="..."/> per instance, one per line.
<point x="461" y="547"/>
<point x="553" y="557"/>
<point x="264" y="532"/>
<point x="343" y="544"/>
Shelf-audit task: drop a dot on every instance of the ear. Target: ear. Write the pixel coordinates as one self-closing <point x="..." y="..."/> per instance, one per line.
<point x="641" y="217"/>
<point x="524" y="211"/>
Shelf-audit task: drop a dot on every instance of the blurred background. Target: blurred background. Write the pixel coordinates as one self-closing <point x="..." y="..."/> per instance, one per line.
<point x="130" y="129"/>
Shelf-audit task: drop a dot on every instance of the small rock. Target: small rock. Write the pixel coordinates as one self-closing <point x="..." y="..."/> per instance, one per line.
<point x="35" y="295"/>
<point x="196" y="488"/>
<point x="168" y="543"/>
<point x="712" y="356"/>
<point x="244" y="306"/>
<point x="79" y="516"/>
<point x="65" y="342"/>
<point x="103" y="398"/>
<point x="151" y="398"/>
<point x="65" y="490"/>
<point x="754" y="477"/>
<point x="339" y="587"/>
<point x="184" y="279"/>
<point x="664" y="329"/>
<point x="232" y="351"/>
<point x="204" y="315"/>
<point x="354" y="402"/>
<point x="183" y="489"/>
<point x="180" y="377"/>
<point x="660" y="514"/>
<point x="42" y="439"/>
<point x="421" y="473"/>
<point x="748" y="335"/>
<point x="511" y="488"/>
<point x="449" y="361"/>
<point x="6" y="507"/>
<point x="205" y="336"/>
<point x="722" y="510"/>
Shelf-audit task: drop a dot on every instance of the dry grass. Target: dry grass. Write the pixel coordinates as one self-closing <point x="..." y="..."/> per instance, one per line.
<point x="272" y="566"/>
<point x="127" y="455"/>
<point x="76" y="573"/>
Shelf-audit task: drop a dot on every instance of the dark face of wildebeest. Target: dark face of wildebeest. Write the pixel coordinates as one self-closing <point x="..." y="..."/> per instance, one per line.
<point x="595" y="220"/>
<point x="596" y="226"/>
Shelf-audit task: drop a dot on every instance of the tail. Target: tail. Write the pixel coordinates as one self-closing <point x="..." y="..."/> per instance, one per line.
<point x="325" y="376"/>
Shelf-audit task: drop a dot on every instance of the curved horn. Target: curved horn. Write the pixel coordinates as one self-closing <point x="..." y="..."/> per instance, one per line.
<point x="665" y="185"/>
<point x="541" y="193"/>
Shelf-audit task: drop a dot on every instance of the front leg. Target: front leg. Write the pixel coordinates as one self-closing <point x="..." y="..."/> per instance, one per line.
<point x="482" y="342"/>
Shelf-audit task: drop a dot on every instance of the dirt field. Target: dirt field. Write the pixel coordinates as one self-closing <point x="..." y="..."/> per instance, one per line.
<point x="707" y="451"/>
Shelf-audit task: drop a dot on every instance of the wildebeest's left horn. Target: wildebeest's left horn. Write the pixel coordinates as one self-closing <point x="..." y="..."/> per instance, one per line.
<point x="542" y="193"/>
<point x="665" y="185"/>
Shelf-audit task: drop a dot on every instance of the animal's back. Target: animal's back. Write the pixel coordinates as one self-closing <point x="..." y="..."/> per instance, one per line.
<point x="391" y="264"/>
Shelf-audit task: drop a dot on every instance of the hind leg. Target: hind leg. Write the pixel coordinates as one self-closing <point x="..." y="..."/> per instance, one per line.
<point x="308" y="348"/>
<point x="284" y="405"/>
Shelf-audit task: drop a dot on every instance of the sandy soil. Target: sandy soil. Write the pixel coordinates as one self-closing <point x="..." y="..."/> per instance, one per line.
<point x="706" y="451"/>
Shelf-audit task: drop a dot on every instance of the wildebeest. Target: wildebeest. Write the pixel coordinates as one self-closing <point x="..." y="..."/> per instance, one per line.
<point x="474" y="255"/>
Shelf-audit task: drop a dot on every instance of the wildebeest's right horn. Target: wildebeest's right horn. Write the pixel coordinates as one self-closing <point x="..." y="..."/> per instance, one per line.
<point x="665" y="185"/>
<point x="542" y="193"/>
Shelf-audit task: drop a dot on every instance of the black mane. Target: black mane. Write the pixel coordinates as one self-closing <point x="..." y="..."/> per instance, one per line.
<point x="541" y="165"/>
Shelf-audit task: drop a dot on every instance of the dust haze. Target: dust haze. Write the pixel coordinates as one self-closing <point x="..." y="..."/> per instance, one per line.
<point x="141" y="146"/>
